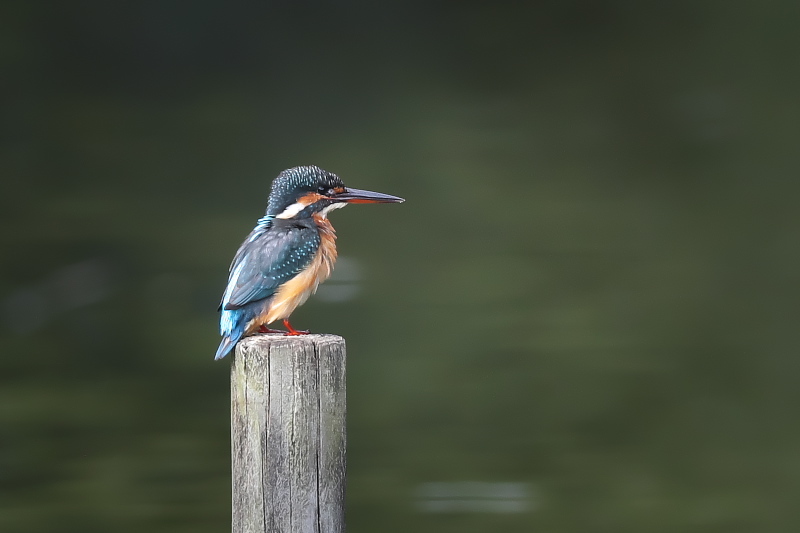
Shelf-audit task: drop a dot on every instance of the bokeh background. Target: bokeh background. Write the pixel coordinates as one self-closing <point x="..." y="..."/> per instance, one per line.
<point x="584" y="318"/>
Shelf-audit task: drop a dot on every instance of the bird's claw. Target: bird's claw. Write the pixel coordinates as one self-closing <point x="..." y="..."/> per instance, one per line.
<point x="293" y="332"/>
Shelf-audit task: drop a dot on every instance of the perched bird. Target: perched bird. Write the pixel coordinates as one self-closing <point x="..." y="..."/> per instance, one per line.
<point x="288" y="254"/>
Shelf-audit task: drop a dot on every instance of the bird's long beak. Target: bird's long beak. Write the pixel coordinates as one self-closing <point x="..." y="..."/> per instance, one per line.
<point x="357" y="196"/>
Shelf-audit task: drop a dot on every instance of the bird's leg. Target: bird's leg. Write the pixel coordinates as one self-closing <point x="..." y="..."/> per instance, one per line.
<point x="291" y="331"/>
<point x="264" y="329"/>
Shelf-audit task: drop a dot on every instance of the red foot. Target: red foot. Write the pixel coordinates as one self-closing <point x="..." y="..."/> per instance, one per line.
<point x="265" y="329"/>
<point x="291" y="331"/>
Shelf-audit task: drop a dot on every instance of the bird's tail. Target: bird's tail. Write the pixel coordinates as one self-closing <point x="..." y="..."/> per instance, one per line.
<point x="227" y="344"/>
<point x="232" y="325"/>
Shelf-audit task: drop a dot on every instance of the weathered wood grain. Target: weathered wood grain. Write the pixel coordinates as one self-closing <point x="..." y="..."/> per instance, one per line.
<point x="333" y="441"/>
<point x="288" y="434"/>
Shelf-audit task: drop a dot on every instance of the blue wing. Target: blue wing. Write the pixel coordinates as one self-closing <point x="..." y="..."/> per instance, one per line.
<point x="272" y="254"/>
<point x="266" y="260"/>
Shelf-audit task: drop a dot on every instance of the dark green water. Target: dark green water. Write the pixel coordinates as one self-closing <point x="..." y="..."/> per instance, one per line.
<point x="587" y="307"/>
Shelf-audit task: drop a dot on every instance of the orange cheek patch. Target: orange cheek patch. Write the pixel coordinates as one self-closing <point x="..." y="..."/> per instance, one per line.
<point x="310" y="198"/>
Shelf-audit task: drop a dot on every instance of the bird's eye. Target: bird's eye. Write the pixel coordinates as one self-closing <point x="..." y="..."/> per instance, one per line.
<point x="322" y="190"/>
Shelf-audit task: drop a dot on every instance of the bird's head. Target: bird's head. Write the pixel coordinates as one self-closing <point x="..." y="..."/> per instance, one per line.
<point x="301" y="192"/>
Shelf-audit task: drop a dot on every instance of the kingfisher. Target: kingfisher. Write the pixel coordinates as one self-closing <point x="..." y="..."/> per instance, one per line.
<point x="291" y="250"/>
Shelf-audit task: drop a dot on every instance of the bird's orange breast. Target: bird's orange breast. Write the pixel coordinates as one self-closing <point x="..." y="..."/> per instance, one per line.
<point x="296" y="291"/>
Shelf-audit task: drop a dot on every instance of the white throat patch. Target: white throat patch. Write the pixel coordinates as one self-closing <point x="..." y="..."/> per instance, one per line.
<point x="328" y="209"/>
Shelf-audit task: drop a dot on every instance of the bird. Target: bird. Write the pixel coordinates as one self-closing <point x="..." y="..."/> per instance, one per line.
<point x="290" y="251"/>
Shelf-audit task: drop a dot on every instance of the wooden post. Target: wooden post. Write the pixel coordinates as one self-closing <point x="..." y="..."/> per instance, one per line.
<point x="288" y="434"/>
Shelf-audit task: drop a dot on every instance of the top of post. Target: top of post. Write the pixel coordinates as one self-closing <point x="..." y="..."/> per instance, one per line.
<point x="263" y="340"/>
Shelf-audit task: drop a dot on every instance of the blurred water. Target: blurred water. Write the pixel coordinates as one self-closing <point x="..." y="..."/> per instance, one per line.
<point x="591" y="293"/>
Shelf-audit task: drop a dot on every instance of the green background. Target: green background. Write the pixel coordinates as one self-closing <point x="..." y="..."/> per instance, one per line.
<point x="592" y="288"/>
